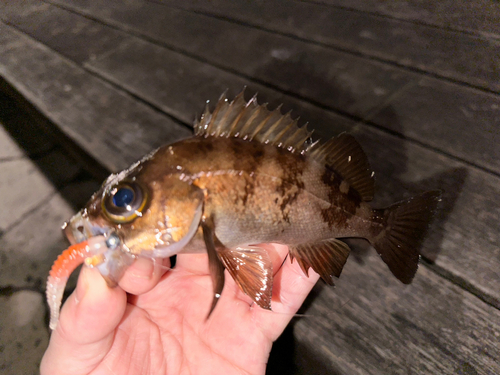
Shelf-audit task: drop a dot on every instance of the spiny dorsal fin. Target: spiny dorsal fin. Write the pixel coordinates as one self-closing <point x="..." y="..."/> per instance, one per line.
<point x="344" y="155"/>
<point x="327" y="258"/>
<point x="249" y="120"/>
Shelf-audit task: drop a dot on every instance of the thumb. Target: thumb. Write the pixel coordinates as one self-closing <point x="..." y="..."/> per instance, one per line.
<point x="85" y="331"/>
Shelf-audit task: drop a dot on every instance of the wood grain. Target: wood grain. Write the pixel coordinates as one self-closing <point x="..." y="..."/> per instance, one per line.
<point x="257" y="54"/>
<point x="468" y="15"/>
<point x="65" y="32"/>
<point x="468" y="58"/>
<point x="30" y="247"/>
<point x="113" y="127"/>
<point x="351" y="85"/>
<point x="368" y="325"/>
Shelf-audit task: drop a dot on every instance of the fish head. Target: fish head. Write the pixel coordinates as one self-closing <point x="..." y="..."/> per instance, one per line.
<point x="147" y="210"/>
<point x="143" y="212"/>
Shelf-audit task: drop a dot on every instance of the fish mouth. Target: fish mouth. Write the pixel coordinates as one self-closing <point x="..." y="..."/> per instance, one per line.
<point x="79" y="228"/>
<point x="112" y="256"/>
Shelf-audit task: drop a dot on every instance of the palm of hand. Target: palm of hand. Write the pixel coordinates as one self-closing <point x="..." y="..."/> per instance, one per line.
<point x="165" y="330"/>
<point x="180" y="339"/>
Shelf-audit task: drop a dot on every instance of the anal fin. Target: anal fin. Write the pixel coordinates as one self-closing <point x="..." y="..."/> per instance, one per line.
<point x="215" y="265"/>
<point x="327" y="258"/>
<point x="252" y="269"/>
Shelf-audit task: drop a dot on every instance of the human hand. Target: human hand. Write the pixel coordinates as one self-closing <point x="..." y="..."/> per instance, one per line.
<point x="161" y="328"/>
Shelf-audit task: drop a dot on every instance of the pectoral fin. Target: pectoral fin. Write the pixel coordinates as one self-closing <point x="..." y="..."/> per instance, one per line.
<point x="326" y="258"/>
<point x="252" y="270"/>
<point x="215" y="265"/>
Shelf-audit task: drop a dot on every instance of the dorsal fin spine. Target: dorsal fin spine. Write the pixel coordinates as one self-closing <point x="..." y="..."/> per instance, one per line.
<point x="306" y="137"/>
<point x="198" y="127"/>
<point x="222" y="99"/>
<point x="259" y="127"/>
<point x="236" y="120"/>
<point x="249" y="121"/>
<point x="219" y="132"/>
<point x="273" y="126"/>
<point x="293" y="140"/>
<point x="312" y="145"/>
<point x="285" y="129"/>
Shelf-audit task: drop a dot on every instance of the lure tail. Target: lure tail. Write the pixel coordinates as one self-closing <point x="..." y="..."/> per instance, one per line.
<point x="88" y="251"/>
<point x="399" y="230"/>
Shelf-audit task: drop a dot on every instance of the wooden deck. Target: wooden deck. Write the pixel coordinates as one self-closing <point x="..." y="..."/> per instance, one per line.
<point x="417" y="83"/>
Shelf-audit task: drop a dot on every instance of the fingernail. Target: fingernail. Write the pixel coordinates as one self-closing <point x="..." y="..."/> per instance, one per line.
<point x="143" y="268"/>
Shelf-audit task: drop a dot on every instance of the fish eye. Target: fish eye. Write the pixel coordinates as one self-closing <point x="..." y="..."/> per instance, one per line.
<point x="124" y="202"/>
<point x="123" y="197"/>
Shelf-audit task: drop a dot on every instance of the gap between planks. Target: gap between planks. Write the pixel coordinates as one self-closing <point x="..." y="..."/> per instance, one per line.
<point x="465" y="31"/>
<point x="355" y="118"/>
<point x="360" y="54"/>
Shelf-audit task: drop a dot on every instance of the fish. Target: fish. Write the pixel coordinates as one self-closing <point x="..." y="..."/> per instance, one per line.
<point x="249" y="175"/>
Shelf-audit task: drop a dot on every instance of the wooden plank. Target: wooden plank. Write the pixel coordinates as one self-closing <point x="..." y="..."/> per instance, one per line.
<point x="474" y="59"/>
<point x="369" y="325"/>
<point x="368" y="85"/>
<point x="65" y="32"/>
<point x="20" y="128"/>
<point x="465" y="121"/>
<point x="410" y="326"/>
<point x="83" y="106"/>
<point x="350" y="85"/>
<point x="179" y="84"/>
<point x="468" y="15"/>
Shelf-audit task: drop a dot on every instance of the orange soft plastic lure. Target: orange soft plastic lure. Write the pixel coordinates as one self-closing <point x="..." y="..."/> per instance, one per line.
<point x="90" y="252"/>
<point x="71" y="258"/>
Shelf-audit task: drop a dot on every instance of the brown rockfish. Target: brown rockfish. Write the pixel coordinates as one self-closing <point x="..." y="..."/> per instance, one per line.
<point x="248" y="176"/>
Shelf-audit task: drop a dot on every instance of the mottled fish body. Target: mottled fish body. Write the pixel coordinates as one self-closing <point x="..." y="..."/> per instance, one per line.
<point x="250" y="176"/>
<point x="257" y="192"/>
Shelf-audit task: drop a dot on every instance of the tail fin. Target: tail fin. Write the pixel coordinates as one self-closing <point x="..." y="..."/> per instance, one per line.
<point x="404" y="225"/>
